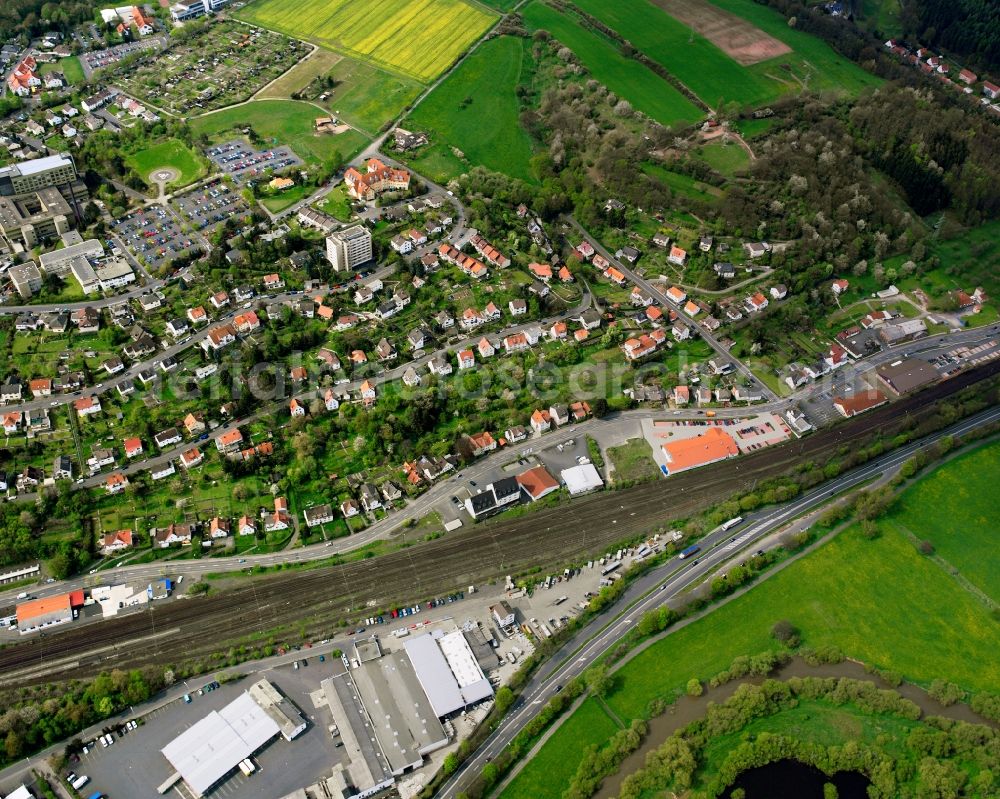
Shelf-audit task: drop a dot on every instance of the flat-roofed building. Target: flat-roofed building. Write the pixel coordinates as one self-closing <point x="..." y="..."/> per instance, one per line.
<point x="27" y="279"/>
<point x="37" y="614"/>
<point x="210" y="749"/>
<point x="39" y="173"/>
<point x="349" y="248"/>
<point x="29" y="218"/>
<point x="448" y="671"/>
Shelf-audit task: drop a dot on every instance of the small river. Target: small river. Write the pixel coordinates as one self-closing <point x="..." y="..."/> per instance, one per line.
<point x="687" y="709"/>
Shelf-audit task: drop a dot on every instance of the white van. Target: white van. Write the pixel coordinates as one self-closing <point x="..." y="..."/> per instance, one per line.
<point x="80" y="781"/>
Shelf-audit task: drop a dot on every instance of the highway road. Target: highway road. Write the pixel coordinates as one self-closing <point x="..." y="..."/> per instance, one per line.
<point x="666" y="585"/>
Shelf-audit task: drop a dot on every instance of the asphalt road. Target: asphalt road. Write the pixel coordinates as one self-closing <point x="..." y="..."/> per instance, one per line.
<point x="665" y="585"/>
<point x="663" y="300"/>
<point x="441" y="490"/>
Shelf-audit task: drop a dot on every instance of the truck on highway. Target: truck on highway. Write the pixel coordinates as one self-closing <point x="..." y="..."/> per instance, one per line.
<point x="694" y="549"/>
<point x="732" y="523"/>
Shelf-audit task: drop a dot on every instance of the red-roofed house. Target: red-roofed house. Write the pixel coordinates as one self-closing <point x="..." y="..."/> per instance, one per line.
<point x="116" y="542"/>
<point x="133" y="447"/>
<point x="537" y="483"/>
<point x="677" y="256"/>
<point x="191" y="458"/>
<point x="541" y="271"/>
<point x="859" y="403"/>
<point x="540" y="421"/>
<point x="377" y="178"/>
<point x="968" y="77"/>
<point x="482" y="443"/>
<point x="839" y="286"/>
<point x="116" y="483"/>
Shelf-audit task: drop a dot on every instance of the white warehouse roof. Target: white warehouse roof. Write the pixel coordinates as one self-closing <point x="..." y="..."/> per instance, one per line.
<point x="581" y="478"/>
<point x="448" y="671"/>
<point x="207" y="751"/>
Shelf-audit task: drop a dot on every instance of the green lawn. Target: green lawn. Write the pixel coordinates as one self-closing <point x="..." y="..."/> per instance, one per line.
<point x="714" y="76"/>
<point x="879" y="601"/>
<point x="71" y="68"/>
<point x="643" y="88"/>
<point x="282" y="122"/>
<point x="633" y="460"/>
<point x="475" y="110"/>
<point x="168" y="153"/>
<point x="336" y="204"/>
<point x="557" y="761"/>
<point x="752" y="128"/>
<point x="959" y="490"/>
<point x="726" y="159"/>
<point x="281" y="200"/>
<point x="419" y="38"/>
<point x="367" y="96"/>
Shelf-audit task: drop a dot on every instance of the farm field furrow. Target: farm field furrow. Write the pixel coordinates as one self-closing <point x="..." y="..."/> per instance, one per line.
<point x="419" y="38"/>
<point x="644" y="89"/>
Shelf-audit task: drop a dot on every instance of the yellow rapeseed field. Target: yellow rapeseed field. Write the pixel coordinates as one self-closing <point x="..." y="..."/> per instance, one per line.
<point x="419" y="38"/>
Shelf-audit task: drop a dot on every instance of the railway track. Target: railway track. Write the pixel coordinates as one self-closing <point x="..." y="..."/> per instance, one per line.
<point x="318" y="599"/>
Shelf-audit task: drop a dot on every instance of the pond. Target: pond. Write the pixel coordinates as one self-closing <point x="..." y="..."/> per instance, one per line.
<point x="790" y="779"/>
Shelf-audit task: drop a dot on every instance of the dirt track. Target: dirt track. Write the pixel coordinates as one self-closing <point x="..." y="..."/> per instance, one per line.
<point x="317" y="599"/>
<point x="735" y="36"/>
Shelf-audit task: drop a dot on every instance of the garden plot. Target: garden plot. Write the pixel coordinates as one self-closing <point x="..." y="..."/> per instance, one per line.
<point x="214" y="66"/>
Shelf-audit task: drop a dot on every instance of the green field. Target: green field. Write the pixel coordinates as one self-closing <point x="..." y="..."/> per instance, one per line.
<point x="644" y="89"/>
<point x="878" y="601"/>
<point x="869" y="598"/>
<point x="959" y="490"/>
<point x="633" y="460"/>
<point x="726" y="159"/>
<point x="557" y="761"/>
<point x="168" y="153"/>
<point x="419" y="38"/>
<point x="71" y="68"/>
<point x="367" y="96"/>
<point x="714" y="76"/>
<point x="281" y="122"/>
<point x="684" y="184"/>
<point x="475" y="110"/>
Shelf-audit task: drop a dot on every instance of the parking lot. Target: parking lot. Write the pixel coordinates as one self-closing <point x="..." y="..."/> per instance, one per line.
<point x="209" y="206"/>
<point x="754" y="432"/>
<point x="243" y="162"/>
<point x="133" y="766"/>
<point x="99" y="59"/>
<point x="154" y="235"/>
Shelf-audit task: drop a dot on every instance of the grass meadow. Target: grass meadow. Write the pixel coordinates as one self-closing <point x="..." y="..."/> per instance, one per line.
<point x="557" y="761"/>
<point x="726" y="159"/>
<point x="419" y="38"/>
<point x="281" y="122"/>
<point x="367" y="96"/>
<point x="626" y="77"/>
<point x="878" y="601"/>
<point x="633" y="460"/>
<point x="714" y="76"/>
<point x="71" y="68"/>
<point x="954" y="508"/>
<point x="168" y="153"/>
<point x="684" y="184"/>
<point x="475" y="110"/>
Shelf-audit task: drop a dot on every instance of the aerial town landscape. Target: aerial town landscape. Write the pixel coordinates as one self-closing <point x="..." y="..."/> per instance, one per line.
<point x="500" y="399"/>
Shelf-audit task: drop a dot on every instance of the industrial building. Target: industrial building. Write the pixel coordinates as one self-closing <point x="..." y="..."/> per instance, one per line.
<point x="347" y="249"/>
<point x="904" y="376"/>
<point x="36" y="614"/>
<point x="205" y="753"/>
<point x="388" y="709"/>
<point x="581" y="479"/>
